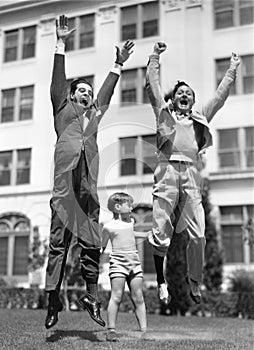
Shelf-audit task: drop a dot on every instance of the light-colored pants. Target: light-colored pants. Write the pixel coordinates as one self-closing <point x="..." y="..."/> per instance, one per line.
<point x="177" y="207"/>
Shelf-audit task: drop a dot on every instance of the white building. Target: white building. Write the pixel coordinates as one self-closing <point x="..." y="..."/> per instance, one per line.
<point x="200" y="34"/>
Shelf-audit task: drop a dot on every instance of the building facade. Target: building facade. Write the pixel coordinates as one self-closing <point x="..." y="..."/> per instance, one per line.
<point x="200" y="35"/>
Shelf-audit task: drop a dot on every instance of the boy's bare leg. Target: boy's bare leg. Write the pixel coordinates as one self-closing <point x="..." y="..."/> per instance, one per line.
<point x="136" y="290"/>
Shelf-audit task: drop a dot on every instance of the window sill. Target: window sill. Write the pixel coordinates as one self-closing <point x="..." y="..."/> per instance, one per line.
<point x="233" y="174"/>
<point x="19" y="62"/>
<point x="15" y="124"/>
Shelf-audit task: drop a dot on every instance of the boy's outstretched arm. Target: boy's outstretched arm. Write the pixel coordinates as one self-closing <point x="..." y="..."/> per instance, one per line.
<point x="223" y="89"/>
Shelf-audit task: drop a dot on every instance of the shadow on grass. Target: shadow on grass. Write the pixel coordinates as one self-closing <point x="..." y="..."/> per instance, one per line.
<point x="60" y="334"/>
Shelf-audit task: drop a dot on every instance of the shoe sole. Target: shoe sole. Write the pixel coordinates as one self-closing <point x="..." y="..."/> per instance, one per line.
<point x="83" y="307"/>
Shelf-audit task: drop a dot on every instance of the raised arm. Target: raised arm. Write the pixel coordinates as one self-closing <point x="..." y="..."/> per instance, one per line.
<point x="106" y="91"/>
<point x="58" y="88"/>
<point x="152" y="78"/>
<point x="222" y="92"/>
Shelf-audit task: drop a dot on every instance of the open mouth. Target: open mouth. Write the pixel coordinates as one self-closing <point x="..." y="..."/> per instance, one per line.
<point x="184" y="102"/>
<point x="84" y="102"/>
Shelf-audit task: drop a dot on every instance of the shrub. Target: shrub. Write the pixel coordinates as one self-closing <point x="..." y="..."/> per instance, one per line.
<point x="242" y="285"/>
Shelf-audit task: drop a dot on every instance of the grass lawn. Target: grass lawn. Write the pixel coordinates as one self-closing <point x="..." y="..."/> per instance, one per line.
<point x="24" y="330"/>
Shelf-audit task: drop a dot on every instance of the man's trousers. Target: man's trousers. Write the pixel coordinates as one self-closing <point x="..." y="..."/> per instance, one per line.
<point x="177" y="207"/>
<point x="75" y="212"/>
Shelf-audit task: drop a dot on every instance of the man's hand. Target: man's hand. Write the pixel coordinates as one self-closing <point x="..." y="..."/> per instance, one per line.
<point x="62" y="31"/>
<point x="234" y="61"/>
<point x="123" y="54"/>
<point x="159" y="48"/>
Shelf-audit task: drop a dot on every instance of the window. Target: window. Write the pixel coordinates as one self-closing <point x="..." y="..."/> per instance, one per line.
<point x="20" y="44"/>
<point x="233" y="219"/>
<point x="17" y="104"/>
<point x="133" y="86"/>
<point x="140" y="21"/>
<point x="84" y="36"/>
<point x="14" y="245"/>
<point x="15" y="167"/>
<point x="229" y="153"/>
<point x="244" y="83"/>
<point x="229" y="13"/>
<point x="137" y="155"/>
<point x="236" y="148"/>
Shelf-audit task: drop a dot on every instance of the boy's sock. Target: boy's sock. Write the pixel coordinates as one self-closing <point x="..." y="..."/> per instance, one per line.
<point x="159" y="264"/>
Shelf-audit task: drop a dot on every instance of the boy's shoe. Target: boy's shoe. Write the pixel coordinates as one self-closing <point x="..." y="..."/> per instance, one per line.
<point x="164" y="296"/>
<point x="195" y="292"/>
<point x="111" y="336"/>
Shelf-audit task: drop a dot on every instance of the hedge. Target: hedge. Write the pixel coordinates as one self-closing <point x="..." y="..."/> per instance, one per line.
<point x="230" y="304"/>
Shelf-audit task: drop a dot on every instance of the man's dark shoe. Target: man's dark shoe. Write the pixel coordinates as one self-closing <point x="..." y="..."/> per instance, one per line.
<point x="197" y="296"/>
<point x="54" y="307"/>
<point x="89" y="303"/>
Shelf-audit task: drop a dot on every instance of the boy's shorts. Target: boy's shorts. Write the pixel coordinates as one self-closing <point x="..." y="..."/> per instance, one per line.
<point x="125" y="265"/>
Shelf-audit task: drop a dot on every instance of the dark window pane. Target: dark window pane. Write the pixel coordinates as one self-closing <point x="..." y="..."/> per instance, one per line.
<point x="129" y="23"/>
<point x="150" y="28"/>
<point x="128" y="156"/>
<point x="150" y="17"/>
<point x="248" y="74"/>
<point x="20" y="255"/>
<point x="5" y="168"/>
<point x="224" y="13"/>
<point x="128" y="167"/>
<point x="3" y="255"/>
<point x="229" y="160"/>
<point x="228" y="139"/>
<point x="232" y="243"/>
<point x="246" y="12"/>
<point x="29" y="36"/>
<point x="129" y="86"/>
<point x="69" y="45"/>
<point x="8" y="99"/>
<point x="249" y="137"/>
<point x="129" y="31"/>
<point x="129" y="96"/>
<point x="232" y="214"/>
<point x="11" y="46"/>
<point x="26" y="103"/>
<point x="23" y="166"/>
<point x="86" y="38"/>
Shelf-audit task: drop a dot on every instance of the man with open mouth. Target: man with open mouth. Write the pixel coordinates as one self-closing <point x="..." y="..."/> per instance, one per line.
<point x="74" y="203"/>
<point x="182" y="136"/>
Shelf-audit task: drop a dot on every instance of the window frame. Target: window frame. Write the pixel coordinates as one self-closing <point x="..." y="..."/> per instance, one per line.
<point x="139" y="24"/>
<point x="247" y="254"/>
<point x="237" y="6"/>
<point x="14" y="167"/>
<point x="20" y="46"/>
<point x="242" y="149"/>
<point x="239" y="86"/>
<point x="17" y="104"/>
<point x="11" y="235"/>
<point x="138" y="155"/>
<point x="76" y="37"/>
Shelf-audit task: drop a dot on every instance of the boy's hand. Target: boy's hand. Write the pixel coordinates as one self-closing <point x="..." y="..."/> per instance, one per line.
<point x="123" y="54"/>
<point x="62" y="30"/>
<point x="159" y="48"/>
<point x="234" y="61"/>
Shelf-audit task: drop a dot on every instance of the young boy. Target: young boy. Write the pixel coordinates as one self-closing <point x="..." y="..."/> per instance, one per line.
<point x="124" y="261"/>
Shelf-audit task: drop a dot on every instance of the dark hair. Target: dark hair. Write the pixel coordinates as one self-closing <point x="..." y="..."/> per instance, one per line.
<point x="179" y="84"/>
<point x="77" y="81"/>
<point x="118" y="198"/>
